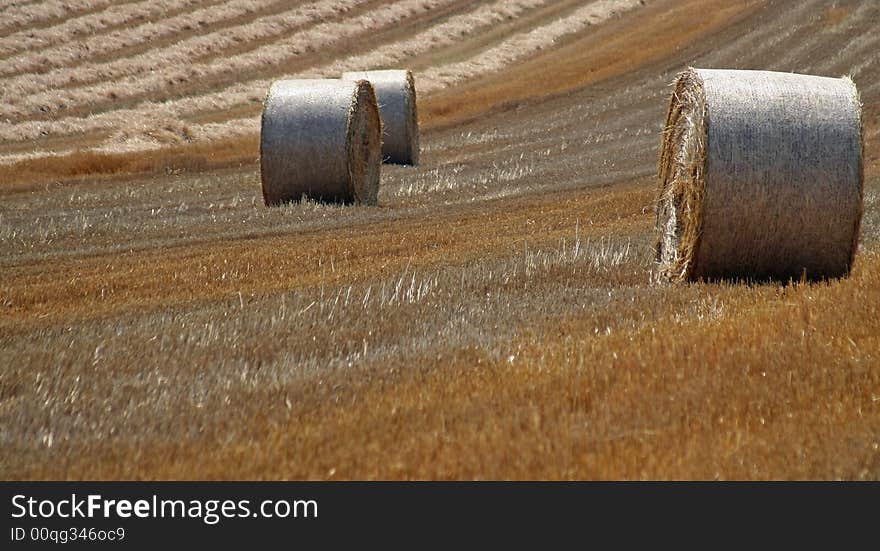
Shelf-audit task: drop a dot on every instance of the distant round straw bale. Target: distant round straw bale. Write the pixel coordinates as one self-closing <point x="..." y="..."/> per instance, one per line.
<point x="320" y="139"/>
<point x="396" y="94"/>
<point x="760" y="177"/>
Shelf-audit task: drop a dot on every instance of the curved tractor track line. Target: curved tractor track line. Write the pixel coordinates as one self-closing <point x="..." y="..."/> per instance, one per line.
<point x="524" y="45"/>
<point x="67" y="64"/>
<point x="7" y="4"/>
<point x="34" y="47"/>
<point x="485" y="62"/>
<point x="49" y="13"/>
<point x="178" y="52"/>
<point x="493" y="59"/>
<point x="445" y="33"/>
<point x="153" y="71"/>
<point x="237" y="93"/>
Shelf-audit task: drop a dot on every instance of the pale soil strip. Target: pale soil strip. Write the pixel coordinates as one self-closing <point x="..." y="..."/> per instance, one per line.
<point x="791" y="33"/>
<point x="863" y="48"/>
<point x="855" y="71"/>
<point x="449" y="31"/>
<point x="84" y="31"/>
<point x="155" y="70"/>
<point x="314" y="37"/>
<point x="7" y="4"/>
<point x="795" y="51"/>
<point x="859" y="54"/>
<point x="65" y="57"/>
<point x="181" y="51"/>
<point x="29" y="15"/>
<point x="523" y="45"/>
<point x="490" y="60"/>
<point x="443" y="35"/>
<point x="767" y="36"/>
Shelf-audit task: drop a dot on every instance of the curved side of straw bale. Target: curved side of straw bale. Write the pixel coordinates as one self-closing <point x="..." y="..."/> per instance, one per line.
<point x="396" y="94"/>
<point x="320" y="139"/>
<point x="761" y="177"/>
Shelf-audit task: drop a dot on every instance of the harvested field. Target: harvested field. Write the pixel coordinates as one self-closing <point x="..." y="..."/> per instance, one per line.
<point x="492" y="317"/>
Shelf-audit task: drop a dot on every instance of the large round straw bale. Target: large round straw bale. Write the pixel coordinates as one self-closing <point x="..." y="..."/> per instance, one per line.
<point x="396" y="94"/>
<point x="760" y="177"/>
<point x="320" y="139"/>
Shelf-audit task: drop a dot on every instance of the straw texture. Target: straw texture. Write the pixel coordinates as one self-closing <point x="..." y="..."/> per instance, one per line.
<point x="396" y="94"/>
<point x="320" y="139"/>
<point x="760" y="177"/>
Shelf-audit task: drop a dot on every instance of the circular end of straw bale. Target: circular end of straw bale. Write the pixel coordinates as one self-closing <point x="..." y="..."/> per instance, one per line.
<point x="760" y="177"/>
<point x="681" y="173"/>
<point x="320" y="139"/>
<point x="364" y="145"/>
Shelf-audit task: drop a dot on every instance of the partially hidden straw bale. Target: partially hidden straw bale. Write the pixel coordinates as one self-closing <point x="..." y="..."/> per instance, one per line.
<point x="396" y="94"/>
<point x="320" y="139"/>
<point x="760" y="177"/>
